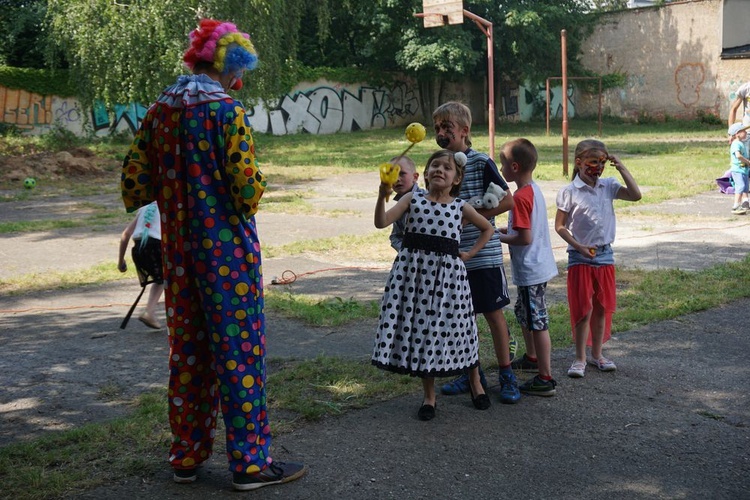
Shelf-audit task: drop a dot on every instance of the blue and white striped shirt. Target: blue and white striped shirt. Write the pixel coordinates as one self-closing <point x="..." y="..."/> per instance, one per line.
<point x="479" y="172"/>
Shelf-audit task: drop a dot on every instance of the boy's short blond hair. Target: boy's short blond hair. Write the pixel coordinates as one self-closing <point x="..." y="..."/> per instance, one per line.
<point x="457" y="112"/>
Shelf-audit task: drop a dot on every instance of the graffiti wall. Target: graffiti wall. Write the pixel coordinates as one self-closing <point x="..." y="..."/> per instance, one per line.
<point x="329" y="108"/>
<point x="522" y="103"/>
<point x="320" y="107"/>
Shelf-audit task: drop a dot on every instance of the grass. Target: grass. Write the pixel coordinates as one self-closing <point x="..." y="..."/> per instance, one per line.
<point x="669" y="160"/>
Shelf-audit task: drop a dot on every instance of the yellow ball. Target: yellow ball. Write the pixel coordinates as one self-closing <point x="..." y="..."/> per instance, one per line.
<point x="415" y="132"/>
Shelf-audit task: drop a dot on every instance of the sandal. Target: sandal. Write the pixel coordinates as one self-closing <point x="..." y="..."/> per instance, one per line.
<point x="146" y="320"/>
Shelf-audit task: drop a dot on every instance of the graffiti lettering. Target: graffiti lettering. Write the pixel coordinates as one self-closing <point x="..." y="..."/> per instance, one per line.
<point x="319" y="110"/>
<point x="25" y="109"/>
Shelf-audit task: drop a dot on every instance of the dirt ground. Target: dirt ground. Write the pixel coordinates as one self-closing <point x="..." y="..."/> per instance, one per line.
<point x="672" y="422"/>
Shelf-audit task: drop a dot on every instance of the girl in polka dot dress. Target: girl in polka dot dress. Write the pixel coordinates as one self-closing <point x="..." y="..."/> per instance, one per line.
<point x="426" y="327"/>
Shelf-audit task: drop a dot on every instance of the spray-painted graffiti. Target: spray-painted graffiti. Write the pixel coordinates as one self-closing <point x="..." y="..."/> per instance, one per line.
<point x="689" y="78"/>
<point x="320" y="110"/>
<point x="533" y="102"/>
<point x="24" y="109"/>
<point x="123" y="116"/>
<point x="326" y="110"/>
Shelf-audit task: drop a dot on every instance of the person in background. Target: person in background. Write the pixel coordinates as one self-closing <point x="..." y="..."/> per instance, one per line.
<point x="145" y="229"/>
<point x="739" y="167"/>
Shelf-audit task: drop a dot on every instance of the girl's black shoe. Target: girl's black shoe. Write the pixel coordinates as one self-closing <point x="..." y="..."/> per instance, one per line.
<point x="481" y="402"/>
<point x="426" y="412"/>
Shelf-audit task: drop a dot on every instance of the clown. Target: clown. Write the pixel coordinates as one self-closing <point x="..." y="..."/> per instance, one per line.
<point x="194" y="154"/>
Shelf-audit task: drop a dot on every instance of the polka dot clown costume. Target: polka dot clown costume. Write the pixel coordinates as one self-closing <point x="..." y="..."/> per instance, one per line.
<point x="194" y="155"/>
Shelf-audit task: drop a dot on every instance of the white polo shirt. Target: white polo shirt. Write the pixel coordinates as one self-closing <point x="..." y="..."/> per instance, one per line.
<point x="591" y="214"/>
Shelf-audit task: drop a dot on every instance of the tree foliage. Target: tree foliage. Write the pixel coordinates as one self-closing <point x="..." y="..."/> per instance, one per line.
<point x="385" y="34"/>
<point x="128" y="50"/>
<point x="24" y="39"/>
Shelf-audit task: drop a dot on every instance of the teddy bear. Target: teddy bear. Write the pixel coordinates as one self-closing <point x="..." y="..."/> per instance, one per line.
<point x="491" y="198"/>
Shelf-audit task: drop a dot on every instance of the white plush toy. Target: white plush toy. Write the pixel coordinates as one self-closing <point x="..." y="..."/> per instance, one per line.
<point x="491" y="198"/>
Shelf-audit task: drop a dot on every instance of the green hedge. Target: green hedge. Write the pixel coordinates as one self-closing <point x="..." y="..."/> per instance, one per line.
<point x="38" y="81"/>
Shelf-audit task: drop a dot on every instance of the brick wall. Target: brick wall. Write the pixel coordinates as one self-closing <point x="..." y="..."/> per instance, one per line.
<point x="671" y="56"/>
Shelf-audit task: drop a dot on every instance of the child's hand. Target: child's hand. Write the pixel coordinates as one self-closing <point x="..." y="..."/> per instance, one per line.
<point x="464" y="256"/>
<point x="122" y="266"/>
<point x="385" y="190"/>
<point x="615" y="162"/>
<point x="588" y="252"/>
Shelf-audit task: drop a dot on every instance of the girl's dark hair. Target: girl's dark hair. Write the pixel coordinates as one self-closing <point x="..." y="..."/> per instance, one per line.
<point x="443" y="153"/>
<point x="583" y="148"/>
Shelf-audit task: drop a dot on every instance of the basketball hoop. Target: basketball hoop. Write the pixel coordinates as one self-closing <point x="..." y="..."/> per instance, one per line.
<point x="441" y="12"/>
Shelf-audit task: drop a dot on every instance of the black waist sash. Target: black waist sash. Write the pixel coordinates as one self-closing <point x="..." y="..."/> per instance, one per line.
<point x="431" y="243"/>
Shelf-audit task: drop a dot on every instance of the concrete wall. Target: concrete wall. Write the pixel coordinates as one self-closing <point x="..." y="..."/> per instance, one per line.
<point x="671" y="56"/>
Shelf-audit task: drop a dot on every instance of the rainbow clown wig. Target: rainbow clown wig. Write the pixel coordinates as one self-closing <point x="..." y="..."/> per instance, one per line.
<point x="220" y="44"/>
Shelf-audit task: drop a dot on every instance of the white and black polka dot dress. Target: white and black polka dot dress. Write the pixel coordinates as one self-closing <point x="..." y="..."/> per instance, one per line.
<point x="426" y="326"/>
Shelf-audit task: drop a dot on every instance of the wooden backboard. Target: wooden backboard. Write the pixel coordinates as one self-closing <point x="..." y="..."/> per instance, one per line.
<point x="442" y="12"/>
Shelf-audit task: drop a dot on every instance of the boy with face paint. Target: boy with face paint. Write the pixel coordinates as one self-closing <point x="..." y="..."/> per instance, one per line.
<point x="585" y="219"/>
<point x="489" y="286"/>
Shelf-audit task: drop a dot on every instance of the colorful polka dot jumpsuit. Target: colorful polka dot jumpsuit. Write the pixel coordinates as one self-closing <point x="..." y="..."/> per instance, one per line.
<point x="194" y="154"/>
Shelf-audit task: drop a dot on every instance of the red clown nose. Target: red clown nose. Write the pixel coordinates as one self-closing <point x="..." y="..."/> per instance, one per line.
<point x="237" y="85"/>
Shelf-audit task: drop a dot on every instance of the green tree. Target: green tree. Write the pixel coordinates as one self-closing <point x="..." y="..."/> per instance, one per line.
<point x="128" y="50"/>
<point x="384" y="35"/>
<point x="24" y="39"/>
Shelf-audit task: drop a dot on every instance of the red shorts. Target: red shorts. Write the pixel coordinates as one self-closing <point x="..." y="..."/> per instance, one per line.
<point x="589" y="287"/>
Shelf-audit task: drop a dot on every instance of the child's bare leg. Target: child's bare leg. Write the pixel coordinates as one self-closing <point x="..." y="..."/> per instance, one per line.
<point x="153" y="300"/>
<point x="500" y="337"/>
<point x="428" y="385"/>
<point x="474" y="380"/>
<point x="543" y="346"/>
<point x="598" y="319"/>
<point x="528" y="340"/>
<point x="737" y="199"/>
<point x="582" y="334"/>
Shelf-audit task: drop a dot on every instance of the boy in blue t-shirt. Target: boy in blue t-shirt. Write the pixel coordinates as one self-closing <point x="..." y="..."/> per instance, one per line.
<point x="739" y="167"/>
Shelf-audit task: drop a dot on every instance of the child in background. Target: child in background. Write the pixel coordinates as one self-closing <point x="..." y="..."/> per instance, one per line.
<point x="739" y="167"/>
<point x="532" y="261"/>
<point x="489" y="287"/>
<point x="585" y="219"/>
<point x="426" y="327"/>
<point x="406" y="183"/>
<point x="145" y="230"/>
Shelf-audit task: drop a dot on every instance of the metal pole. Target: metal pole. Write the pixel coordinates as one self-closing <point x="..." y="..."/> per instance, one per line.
<point x="565" y="101"/>
<point x="547" y="106"/>
<point x="600" y="106"/>
<point x="486" y="27"/>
